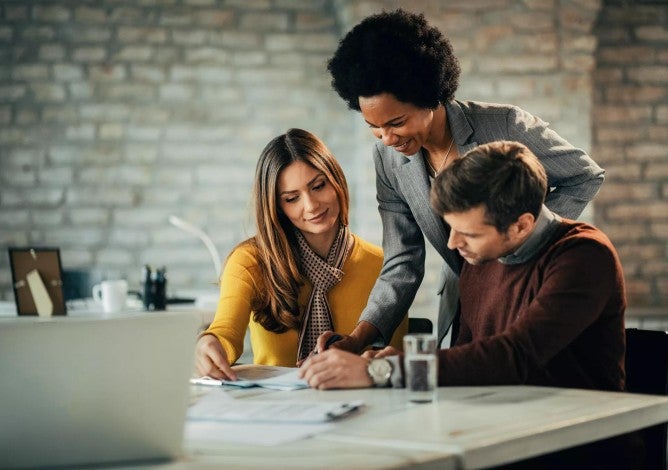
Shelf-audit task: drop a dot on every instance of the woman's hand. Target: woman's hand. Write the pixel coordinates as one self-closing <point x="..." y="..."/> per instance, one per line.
<point x="345" y="342"/>
<point x="211" y="360"/>
<point x="336" y="368"/>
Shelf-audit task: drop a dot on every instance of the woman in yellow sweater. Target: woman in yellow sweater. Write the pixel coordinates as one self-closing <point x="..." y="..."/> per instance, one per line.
<point x="303" y="273"/>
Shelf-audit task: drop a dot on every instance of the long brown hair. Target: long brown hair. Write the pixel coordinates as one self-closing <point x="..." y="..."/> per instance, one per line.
<point x="276" y="309"/>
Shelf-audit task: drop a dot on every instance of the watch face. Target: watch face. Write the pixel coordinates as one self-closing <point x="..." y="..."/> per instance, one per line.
<point x="380" y="371"/>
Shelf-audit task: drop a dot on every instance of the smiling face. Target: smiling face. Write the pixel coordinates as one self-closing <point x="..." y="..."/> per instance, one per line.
<point x="478" y="241"/>
<point x="403" y="126"/>
<point x="310" y="202"/>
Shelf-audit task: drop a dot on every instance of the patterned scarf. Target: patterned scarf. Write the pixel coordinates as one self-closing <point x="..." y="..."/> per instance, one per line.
<point x="323" y="274"/>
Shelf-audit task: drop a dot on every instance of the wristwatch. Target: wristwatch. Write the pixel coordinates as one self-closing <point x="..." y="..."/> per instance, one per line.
<point x="380" y="371"/>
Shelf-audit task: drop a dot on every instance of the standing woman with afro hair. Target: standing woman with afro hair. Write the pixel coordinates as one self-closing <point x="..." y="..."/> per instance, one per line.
<point x="402" y="75"/>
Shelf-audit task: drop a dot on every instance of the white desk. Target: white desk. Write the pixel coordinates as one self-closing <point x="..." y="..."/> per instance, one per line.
<point x="90" y="308"/>
<point x="468" y="427"/>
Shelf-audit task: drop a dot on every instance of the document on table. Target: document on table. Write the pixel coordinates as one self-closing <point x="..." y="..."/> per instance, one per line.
<point x="218" y="407"/>
<point x="206" y="436"/>
<point x="250" y="375"/>
<point x="217" y="418"/>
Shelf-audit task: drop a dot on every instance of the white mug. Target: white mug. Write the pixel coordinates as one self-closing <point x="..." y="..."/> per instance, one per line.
<point x="111" y="294"/>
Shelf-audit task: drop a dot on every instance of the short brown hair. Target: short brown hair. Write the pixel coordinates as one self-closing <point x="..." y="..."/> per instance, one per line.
<point x="506" y="177"/>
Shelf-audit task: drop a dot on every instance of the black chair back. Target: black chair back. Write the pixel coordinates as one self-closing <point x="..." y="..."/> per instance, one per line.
<point x="647" y="372"/>
<point x="420" y="325"/>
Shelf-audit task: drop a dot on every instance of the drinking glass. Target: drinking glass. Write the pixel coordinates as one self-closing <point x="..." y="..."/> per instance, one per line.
<point x="420" y="367"/>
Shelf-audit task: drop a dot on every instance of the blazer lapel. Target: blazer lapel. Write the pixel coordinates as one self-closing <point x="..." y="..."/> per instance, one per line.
<point x="460" y="127"/>
<point x="414" y="184"/>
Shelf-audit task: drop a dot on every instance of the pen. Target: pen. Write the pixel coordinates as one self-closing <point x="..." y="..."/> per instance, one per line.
<point x="331" y="340"/>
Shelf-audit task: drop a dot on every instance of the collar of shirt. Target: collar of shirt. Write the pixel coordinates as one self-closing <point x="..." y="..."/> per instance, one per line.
<point x="546" y="224"/>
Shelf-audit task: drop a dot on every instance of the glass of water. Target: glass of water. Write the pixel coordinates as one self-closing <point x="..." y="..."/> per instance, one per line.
<point x="420" y="367"/>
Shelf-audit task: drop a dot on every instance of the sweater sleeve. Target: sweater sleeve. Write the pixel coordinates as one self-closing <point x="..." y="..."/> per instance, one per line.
<point x="580" y="285"/>
<point x="237" y="291"/>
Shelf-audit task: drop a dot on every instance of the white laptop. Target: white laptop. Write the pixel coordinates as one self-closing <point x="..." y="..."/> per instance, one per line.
<point x="89" y="391"/>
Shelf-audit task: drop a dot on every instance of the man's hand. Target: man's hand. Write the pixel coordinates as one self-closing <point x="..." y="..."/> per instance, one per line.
<point x="378" y="353"/>
<point x="211" y="360"/>
<point x="336" y="368"/>
<point x="325" y="340"/>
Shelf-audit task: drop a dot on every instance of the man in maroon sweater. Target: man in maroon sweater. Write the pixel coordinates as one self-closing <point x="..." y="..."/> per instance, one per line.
<point x="542" y="298"/>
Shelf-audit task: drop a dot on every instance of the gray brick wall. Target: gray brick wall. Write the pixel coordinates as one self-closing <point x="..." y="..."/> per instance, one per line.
<point x="631" y="139"/>
<point x="115" y="114"/>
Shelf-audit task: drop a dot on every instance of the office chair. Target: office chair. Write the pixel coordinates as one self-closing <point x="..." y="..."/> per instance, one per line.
<point x="420" y="325"/>
<point x="647" y="372"/>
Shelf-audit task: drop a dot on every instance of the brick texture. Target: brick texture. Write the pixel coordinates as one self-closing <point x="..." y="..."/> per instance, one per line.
<point x="630" y="141"/>
<point x="116" y="114"/>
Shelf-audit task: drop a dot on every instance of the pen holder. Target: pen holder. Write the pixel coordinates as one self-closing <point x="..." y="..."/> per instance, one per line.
<point x="154" y="289"/>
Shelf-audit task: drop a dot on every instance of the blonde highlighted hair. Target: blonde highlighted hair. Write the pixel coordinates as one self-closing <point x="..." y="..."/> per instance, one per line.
<point x="276" y="309"/>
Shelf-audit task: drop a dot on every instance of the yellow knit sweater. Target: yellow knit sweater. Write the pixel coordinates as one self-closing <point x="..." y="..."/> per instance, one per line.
<point x="240" y="284"/>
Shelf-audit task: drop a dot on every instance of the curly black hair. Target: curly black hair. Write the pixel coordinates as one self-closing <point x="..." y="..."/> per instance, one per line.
<point x="395" y="52"/>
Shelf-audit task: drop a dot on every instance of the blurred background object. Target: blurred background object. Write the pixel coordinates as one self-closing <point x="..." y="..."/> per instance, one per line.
<point x="78" y="283"/>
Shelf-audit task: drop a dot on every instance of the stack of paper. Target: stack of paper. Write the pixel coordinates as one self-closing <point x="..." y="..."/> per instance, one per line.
<point x="218" y="418"/>
<point x="275" y="378"/>
<point x="217" y="407"/>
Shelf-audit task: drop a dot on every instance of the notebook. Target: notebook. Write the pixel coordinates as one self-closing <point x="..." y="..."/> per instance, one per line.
<point x="94" y="390"/>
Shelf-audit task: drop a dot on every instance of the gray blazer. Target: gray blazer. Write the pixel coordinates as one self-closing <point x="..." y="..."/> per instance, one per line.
<point x="402" y="191"/>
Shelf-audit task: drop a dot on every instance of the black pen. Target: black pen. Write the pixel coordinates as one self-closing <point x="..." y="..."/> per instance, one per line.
<point x="331" y="340"/>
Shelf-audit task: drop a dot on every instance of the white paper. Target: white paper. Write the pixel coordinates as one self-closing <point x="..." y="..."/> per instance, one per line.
<point x="275" y="378"/>
<point x="40" y="295"/>
<point x="218" y="407"/>
<point x="204" y="435"/>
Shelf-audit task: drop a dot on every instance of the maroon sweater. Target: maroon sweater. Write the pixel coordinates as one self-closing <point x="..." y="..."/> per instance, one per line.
<point x="556" y="320"/>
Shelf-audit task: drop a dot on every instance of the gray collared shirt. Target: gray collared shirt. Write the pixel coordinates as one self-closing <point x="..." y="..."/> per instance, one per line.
<point x="546" y="225"/>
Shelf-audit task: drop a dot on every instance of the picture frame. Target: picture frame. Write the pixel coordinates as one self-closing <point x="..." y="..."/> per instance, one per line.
<point x="37" y="280"/>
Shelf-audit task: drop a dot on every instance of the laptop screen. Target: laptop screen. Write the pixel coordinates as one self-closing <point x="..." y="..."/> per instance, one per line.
<point x="94" y="390"/>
